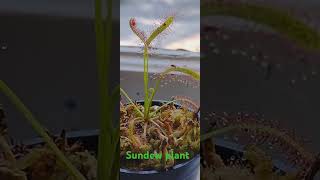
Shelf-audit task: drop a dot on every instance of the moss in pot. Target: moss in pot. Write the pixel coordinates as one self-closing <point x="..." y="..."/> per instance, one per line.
<point x="149" y="127"/>
<point x="23" y="162"/>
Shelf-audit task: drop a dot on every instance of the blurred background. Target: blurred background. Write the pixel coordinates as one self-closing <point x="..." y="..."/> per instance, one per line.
<point x="48" y="58"/>
<point x="184" y="34"/>
<point x="251" y="68"/>
<point x="180" y="45"/>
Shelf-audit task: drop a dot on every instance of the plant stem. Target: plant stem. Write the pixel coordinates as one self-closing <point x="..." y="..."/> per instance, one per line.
<point x="153" y="113"/>
<point x="131" y="102"/>
<point x="40" y="130"/>
<point x="146" y="80"/>
<point x="183" y="70"/>
<point x="154" y="34"/>
<point x="195" y="75"/>
<point x="103" y="46"/>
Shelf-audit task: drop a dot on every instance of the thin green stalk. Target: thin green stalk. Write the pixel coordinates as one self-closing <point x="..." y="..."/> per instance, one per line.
<point x="154" y="34"/>
<point x="153" y="113"/>
<point x="116" y="162"/>
<point x="183" y="70"/>
<point x="149" y="102"/>
<point x="131" y="102"/>
<point x="103" y="46"/>
<point x="153" y="92"/>
<point x="40" y="130"/>
<point x="115" y="97"/>
<point x="280" y="21"/>
<point x="146" y="80"/>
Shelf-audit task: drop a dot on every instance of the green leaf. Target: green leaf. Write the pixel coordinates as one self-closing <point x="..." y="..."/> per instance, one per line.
<point x="279" y="20"/>
<point x="40" y="130"/>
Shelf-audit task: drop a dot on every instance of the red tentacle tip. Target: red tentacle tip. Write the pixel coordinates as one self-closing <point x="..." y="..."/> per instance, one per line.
<point x="133" y="22"/>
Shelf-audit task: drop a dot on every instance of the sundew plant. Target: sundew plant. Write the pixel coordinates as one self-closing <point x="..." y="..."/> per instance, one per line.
<point x="150" y="92"/>
<point x="149" y="128"/>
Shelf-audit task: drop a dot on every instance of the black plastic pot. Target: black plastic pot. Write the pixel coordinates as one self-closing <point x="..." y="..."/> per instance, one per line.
<point x="186" y="171"/>
<point x="89" y="139"/>
<point x="189" y="170"/>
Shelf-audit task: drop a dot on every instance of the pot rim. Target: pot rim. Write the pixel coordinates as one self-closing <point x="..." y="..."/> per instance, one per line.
<point x="173" y="168"/>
